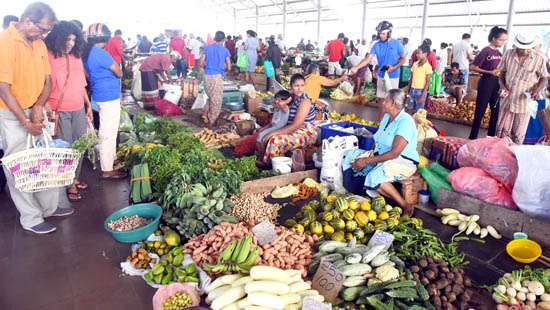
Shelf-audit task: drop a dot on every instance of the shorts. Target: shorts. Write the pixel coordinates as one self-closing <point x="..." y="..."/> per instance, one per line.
<point x="414" y="95"/>
<point x="381" y="89"/>
<point x="335" y="68"/>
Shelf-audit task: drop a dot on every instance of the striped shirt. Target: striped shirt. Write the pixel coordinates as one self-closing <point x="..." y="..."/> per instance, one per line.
<point x="521" y="78"/>
<point x="293" y="109"/>
<point x="160" y="47"/>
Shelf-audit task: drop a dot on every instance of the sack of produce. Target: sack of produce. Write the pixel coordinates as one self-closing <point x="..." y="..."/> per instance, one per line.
<point x="167" y="108"/>
<point x="435" y="182"/>
<point x="477" y="183"/>
<point x="440" y="170"/>
<point x="445" y="150"/>
<point x="175" y="296"/>
<point x="492" y="155"/>
<point x="532" y="188"/>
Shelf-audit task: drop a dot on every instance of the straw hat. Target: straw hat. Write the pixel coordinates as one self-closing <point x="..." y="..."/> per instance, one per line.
<point x="525" y="41"/>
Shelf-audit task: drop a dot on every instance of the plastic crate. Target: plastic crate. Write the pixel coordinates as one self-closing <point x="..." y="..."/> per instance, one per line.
<point x="232" y="97"/>
<point x="364" y="142"/>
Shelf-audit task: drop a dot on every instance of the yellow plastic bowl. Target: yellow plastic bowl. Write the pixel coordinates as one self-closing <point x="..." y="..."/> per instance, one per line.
<point x="524" y="250"/>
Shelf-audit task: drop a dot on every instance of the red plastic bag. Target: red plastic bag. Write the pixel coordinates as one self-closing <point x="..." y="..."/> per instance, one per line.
<point x="246" y="146"/>
<point x="493" y="156"/>
<point x="167" y="108"/>
<point x="166" y="291"/>
<point x="477" y="183"/>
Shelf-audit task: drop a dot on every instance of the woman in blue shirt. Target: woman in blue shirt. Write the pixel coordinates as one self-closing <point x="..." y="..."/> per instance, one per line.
<point x="215" y="60"/>
<point x="394" y="157"/>
<point x="104" y="76"/>
<point x="251" y="46"/>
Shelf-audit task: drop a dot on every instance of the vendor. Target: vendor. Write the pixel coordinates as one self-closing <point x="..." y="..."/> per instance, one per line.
<point x="454" y="82"/>
<point x="315" y="81"/>
<point x="394" y="157"/>
<point x="154" y="68"/>
<point x="299" y="131"/>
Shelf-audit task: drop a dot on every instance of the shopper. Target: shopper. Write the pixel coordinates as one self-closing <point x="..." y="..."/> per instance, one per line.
<point x="274" y="55"/>
<point x="363" y="49"/>
<point x="394" y="158"/>
<point x="144" y="46"/>
<point x="281" y="43"/>
<point x="442" y="58"/>
<point x="216" y="61"/>
<point x="454" y="82"/>
<point x="104" y="75"/>
<point x="25" y="86"/>
<point x="390" y="56"/>
<point x="301" y="46"/>
<point x="309" y="46"/>
<point x="462" y="53"/>
<point x="153" y="69"/>
<point x="115" y="47"/>
<point x="160" y="45"/>
<point x="315" y="82"/>
<point x="68" y="98"/>
<point x="251" y="47"/>
<point x="407" y="47"/>
<point x="522" y="76"/>
<point x="8" y="19"/>
<point x="177" y="44"/>
<point x="432" y="57"/>
<point x="488" y="89"/>
<point x="230" y="45"/>
<point x="335" y="51"/>
<point x="195" y="46"/>
<point x="420" y="79"/>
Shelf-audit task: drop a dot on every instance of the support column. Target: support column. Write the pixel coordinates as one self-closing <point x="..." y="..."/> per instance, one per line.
<point x="257" y="20"/>
<point x="318" y="21"/>
<point x="234" y="20"/>
<point x="510" y="18"/>
<point x="424" y="20"/>
<point x="364" y="21"/>
<point x="284" y="20"/>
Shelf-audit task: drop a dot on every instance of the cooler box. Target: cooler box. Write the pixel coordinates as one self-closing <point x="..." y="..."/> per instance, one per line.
<point x="445" y="149"/>
<point x="365" y="143"/>
<point x="232" y="97"/>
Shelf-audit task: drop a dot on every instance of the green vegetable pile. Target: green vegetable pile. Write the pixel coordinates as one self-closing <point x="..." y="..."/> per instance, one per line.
<point x="85" y="145"/>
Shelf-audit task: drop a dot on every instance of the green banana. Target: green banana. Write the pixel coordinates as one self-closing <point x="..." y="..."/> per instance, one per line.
<point x="244" y="250"/>
<point x="238" y="248"/>
<point x="251" y="259"/>
<point x="227" y="252"/>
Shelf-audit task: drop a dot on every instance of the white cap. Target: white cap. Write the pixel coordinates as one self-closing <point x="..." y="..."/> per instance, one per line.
<point x="525" y="41"/>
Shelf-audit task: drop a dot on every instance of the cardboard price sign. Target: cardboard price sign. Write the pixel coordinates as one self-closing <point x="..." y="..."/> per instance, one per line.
<point x="309" y="303"/>
<point x="328" y="281"/>
<point x="264" y="232"/>
<point x="381" y="237"/>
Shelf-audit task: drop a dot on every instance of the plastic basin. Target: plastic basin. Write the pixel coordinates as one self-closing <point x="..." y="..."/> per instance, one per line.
<point x="146" y="210"/>
<point x="524" y="250"/>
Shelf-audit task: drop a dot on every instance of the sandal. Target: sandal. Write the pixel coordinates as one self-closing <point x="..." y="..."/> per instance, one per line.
<point x="81" y="185"/>
<point x="73" y="195"/>
<point x="114" y="175"/>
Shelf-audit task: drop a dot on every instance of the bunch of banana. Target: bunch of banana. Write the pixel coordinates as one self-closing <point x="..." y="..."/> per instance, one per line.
<point x="238" y="256"/>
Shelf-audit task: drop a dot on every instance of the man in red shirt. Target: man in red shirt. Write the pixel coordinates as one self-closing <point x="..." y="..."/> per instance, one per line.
<point x="115" y="47"/>
<point x="177" y="43"/>
<point x="230" y="45"/>
<point x="335" y="51"/>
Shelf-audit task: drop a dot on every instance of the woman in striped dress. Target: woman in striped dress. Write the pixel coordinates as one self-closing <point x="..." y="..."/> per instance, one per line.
<point x="300" y="131"/>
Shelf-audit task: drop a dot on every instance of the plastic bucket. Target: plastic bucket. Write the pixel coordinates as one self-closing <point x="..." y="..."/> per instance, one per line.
<point x="146" y="210"/>
<point x="281" y="164"/>
<point x="423" y="197"/>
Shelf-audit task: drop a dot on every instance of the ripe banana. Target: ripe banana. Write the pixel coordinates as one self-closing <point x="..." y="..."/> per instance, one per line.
<point x="244" y="250"/>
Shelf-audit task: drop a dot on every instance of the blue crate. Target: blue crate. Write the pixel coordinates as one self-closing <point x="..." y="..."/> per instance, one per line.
<point x="364" y="143"/>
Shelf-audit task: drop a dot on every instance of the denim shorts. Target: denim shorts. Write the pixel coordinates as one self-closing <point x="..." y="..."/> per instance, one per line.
<point x="414" y="95"/>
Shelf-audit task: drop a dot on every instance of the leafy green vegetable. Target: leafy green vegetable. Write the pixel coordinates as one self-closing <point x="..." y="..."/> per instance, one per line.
<point x="85" y="145"/>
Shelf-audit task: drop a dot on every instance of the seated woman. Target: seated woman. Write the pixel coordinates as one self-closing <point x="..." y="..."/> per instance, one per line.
<point x="315" y="81"/>
<point x="394" y="157"/>
<point x="299" y="131"/>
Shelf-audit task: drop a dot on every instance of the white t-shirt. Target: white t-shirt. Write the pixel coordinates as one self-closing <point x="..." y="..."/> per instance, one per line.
<point x="195" y="46"/>
<point x="461" y="52"/>
<point x="362" y="50"/>
<point x="354" y="60"/>
<point x="442" y="56"/>
<point x="281" y="44"/>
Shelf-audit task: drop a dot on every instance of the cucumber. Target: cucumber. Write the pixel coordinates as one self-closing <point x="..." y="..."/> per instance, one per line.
<point x="351" y="293"/>
<point x="372" y="253"/>
<point x="339" y="263"/>
<point x="404" y="292"/>
<point x="422" y="292"/>
<point x="332" y="257"/>
<point x="375" y="288"/>
<point x="380" y="259"/>
<point x="331" y="246"/>
<point x="377" y="304"/>
<point x="354" y="281"/>
<point x="353" y="258"/>
<point x="404" y="283"/>
<point x="355" y="269"/>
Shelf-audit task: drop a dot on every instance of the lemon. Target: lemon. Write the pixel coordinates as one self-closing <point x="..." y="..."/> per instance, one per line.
<point x="383" y="216"/>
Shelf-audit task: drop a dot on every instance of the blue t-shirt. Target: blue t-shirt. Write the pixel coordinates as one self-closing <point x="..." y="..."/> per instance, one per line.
<point x="104" y="83"/>
<point x="403" y="125"/>
<point x="215" y="55"/>
<point x="388" y="53"/>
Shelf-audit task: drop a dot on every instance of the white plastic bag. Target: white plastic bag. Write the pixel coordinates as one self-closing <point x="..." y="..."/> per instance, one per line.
<point x="136" y="82"/>
<point x="331" y="167"/>
<point x="173" y="93"/>
<point x="532" y="108"/>
<point x="368" y="76"/>
<point x="200" y="102"/>
<point x="532" y="188"/>
<point x="387" y="81"/>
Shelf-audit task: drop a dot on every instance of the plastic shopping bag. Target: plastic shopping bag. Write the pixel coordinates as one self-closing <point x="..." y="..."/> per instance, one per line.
<point x="200" y="101"/>
<point x="532" y="188"/>
<point x="435" y="182"/>
<point x="167" y="291"/>
<point x="477" y="183"/>
<point x="242" y="61"/>
<point x="387" y="81"/>
<point x="333" y="150"/>
<point x="269" y="70"/>
<point x="492" y="155"/>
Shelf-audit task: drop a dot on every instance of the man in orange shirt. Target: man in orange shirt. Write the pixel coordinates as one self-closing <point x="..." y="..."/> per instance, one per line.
<point x="25" y="86"/>
<point x="115" y="47"/>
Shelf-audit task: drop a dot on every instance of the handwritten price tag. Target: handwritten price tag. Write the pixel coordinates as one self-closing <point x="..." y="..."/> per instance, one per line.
<point x="381" y="237"/>
<point x="264" y="232"/>
<point x="309" y="303"/>
<point x="328" y="281"/>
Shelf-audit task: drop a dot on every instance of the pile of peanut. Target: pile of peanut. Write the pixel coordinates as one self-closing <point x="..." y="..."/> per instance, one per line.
<point x="253" y="209"/>
<point x="127" y="223"/>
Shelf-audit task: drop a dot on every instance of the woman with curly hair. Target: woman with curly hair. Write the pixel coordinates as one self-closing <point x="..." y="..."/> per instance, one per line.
<point x="68" y="100"/>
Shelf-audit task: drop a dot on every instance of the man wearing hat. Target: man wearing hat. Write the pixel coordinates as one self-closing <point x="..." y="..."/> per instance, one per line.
<point x="522" y="76"/>
<point x="390" y="55"/>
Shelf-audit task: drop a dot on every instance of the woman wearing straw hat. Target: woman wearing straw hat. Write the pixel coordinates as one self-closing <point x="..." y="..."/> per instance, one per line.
<point x="522" y="76"/>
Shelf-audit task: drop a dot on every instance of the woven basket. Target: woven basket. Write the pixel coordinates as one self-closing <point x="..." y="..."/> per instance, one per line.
<point x="37" y="169"/>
